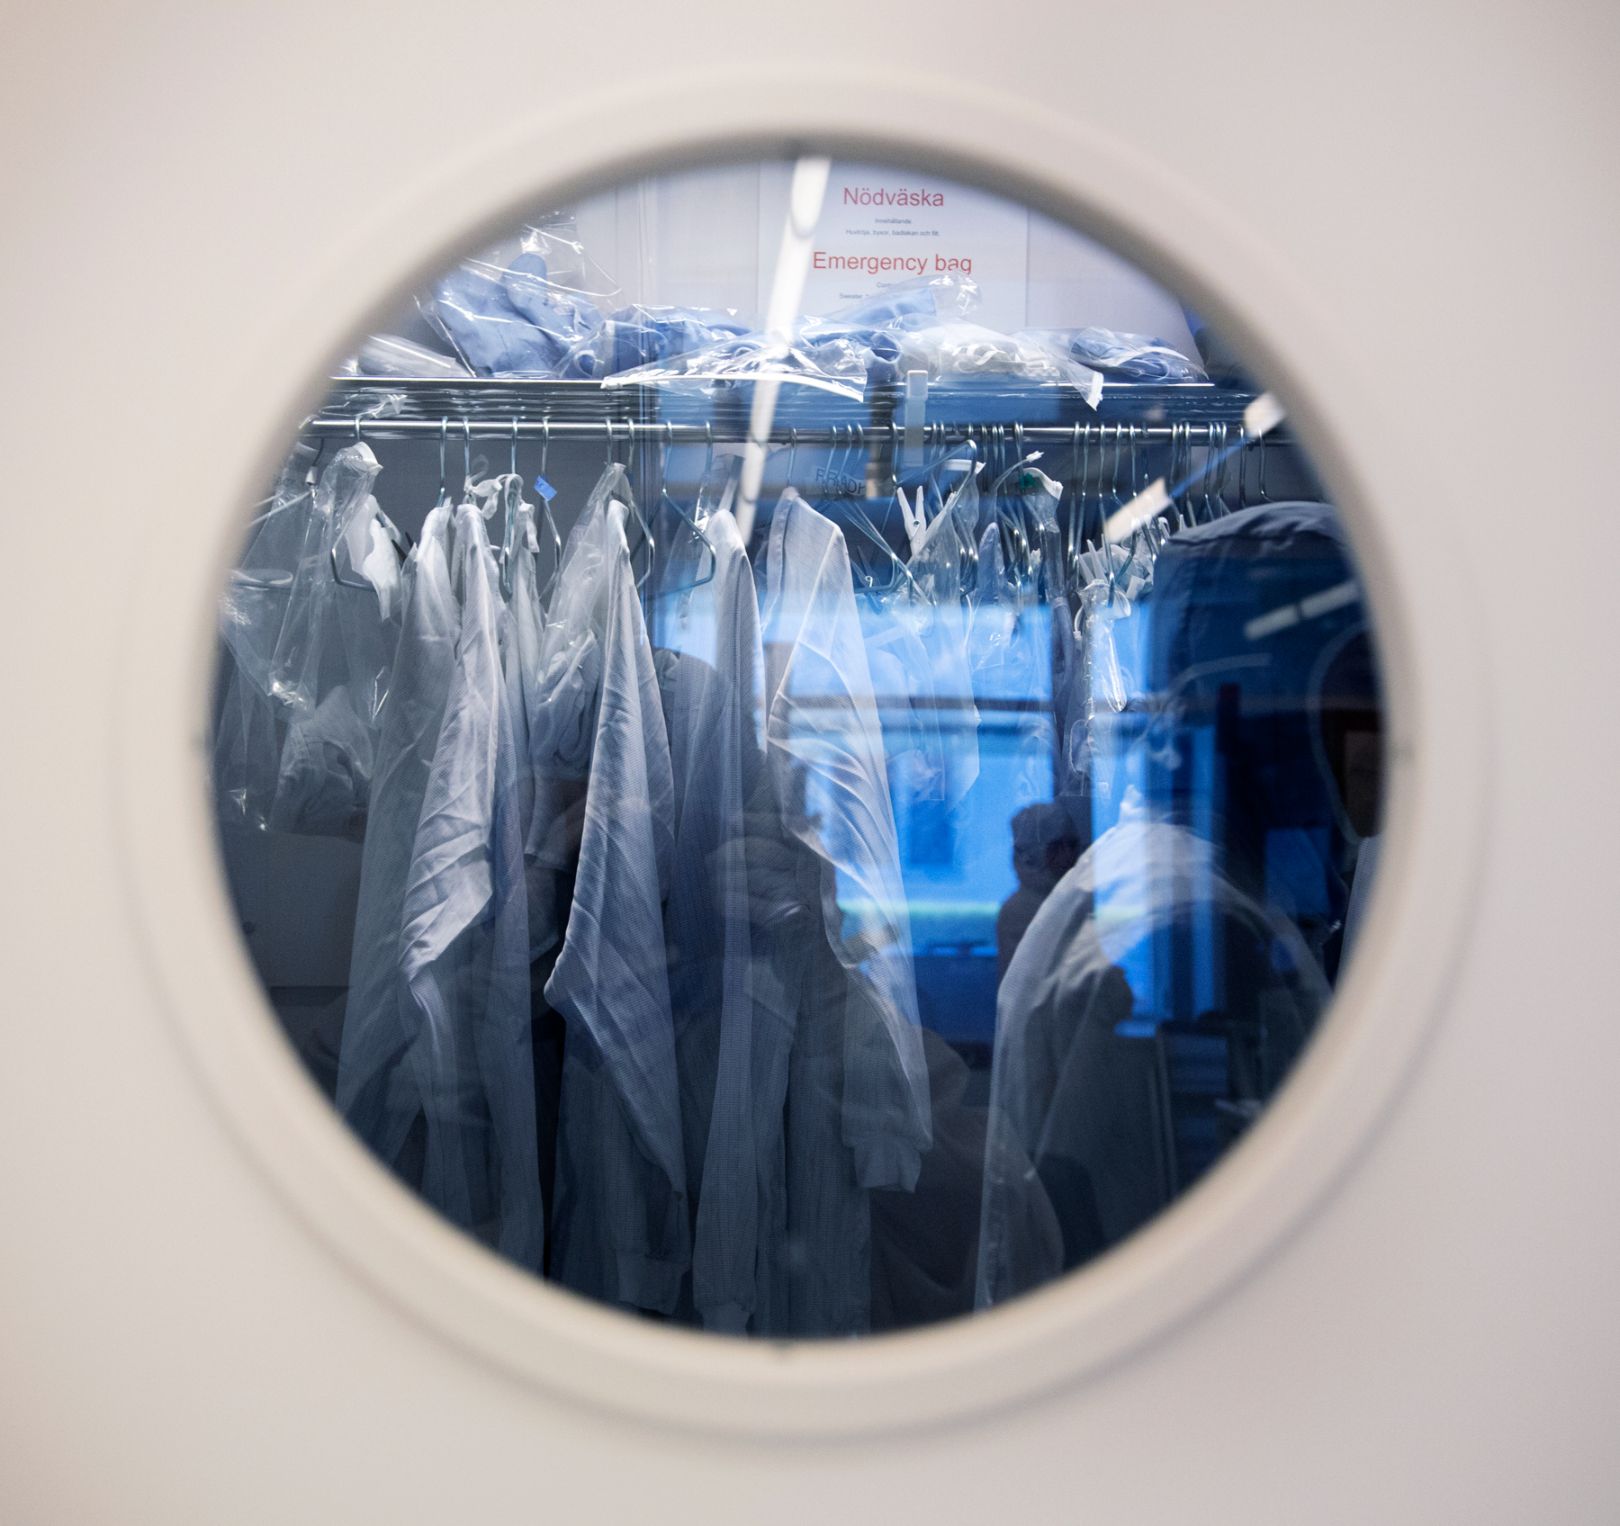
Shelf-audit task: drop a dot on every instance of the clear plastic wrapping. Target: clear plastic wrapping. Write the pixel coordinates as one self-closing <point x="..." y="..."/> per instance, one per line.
<point x="524" y="315"/>
<point x="310" y="622"/>
<point x="1078" y="1126"/>
<point x="915" y="326"/>
<point x="1129" y="357"/>
<point x="641" y="335"/>
<point x="249" y="727"/>
<point x="965" y="351"/>
<point x="342" y="504"/>
<point x="393" y="355"/>
<point x="936" y="568"/>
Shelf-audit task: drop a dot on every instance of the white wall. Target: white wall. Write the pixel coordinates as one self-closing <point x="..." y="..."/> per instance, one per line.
<point x="1438" y="1344"/>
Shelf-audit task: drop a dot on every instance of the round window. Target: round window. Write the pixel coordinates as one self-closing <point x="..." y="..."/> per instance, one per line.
<point x="797" y="748"/>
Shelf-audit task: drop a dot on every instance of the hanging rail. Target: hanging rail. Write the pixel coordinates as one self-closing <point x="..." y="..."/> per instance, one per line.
<point x="668" y="432"/>
<point x="486" y="408"/>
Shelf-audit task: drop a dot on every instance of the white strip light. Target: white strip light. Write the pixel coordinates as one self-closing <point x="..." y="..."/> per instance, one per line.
<point x="805" y="199"/>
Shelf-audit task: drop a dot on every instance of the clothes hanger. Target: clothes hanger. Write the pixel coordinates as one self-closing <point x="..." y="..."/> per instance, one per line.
<point x="393" y="533"/>
<point x="968" y="568"/>
<point x="856" y="513"/>
<point x="1220" y="504"/>
<point x="1022" y="532"/>
<point x="665" y="500"/>
<point x="1074" y="522"/>
<point x="513" y="525"/>
<point x="1181" y="515"/>
<point x="548" y="515"/>
<point x="633" y="509"/>
<point x="1214" y="470"/>
<point x="280" y="506"/>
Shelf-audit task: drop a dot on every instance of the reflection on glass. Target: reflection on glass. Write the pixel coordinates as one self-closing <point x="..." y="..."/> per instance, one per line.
<point x="802" y="829"/>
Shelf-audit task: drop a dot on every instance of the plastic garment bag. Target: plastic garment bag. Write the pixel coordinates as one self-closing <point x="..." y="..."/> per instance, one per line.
<point x="621" y="1222"/>
<point x="323" y="777"/>
<point x="640" y="335"/>
<point x="1009" y="646"/>
<point x="893" y="623"/>
<point x="342" y="496"/>
<point x="310" y="656"/>
<point x="512" y="320"/>
<point x="253" y="608"/>
<point x="330" y="670"/>
<point x="435" y="1071"/>
<point x="733" y="1019"/>
<point x="1100" y="639"/>
<point x="523" y="664"/>
<point x="844" y="353"/>
<point x="1145" y="931"/>
<point x="858" y="1108"/>
<point x="1130" y="357"/>
<point x="965" y="351"/>
<point x="937" y="572"/>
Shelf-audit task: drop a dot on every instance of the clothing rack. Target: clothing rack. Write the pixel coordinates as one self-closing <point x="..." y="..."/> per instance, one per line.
<point x="891" y="423"/>
<point x="667" y="432"/>
<point x="502" y="408"/>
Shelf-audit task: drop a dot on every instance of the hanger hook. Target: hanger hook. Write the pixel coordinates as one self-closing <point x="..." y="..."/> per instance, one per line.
<point x="514" y="444"/>
<point x="444" y="437"/>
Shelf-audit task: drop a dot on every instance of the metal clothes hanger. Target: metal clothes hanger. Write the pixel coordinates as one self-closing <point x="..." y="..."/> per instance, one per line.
<point x="1074" y="522"/>
<point x="332" y="554"/>
<point x="634" y="510"/>
<point x="548" y="515"/>
<point x="665" y="500"/>
<point x="512" y="505"/>
<point x="1185" y="509"/>
<point x="1214" y="506"/>
<point x="1221" y="506"/>
<point x="1023" y="532"/>
<point x="855" y="513"/>
<point x="242" y="579"/>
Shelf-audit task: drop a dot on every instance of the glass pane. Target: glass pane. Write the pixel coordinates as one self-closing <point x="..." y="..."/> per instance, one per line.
<point x="797" y="748"/>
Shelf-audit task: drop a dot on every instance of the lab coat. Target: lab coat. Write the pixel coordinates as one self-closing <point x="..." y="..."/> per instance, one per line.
<point x="621" y="1218"/>
<point x="435" y="1070"/>
<point x="858" y="1109"/>
<point x="734" y="1023"/>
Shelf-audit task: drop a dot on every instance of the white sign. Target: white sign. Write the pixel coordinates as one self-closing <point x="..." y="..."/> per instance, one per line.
<point x="880" y="227"/>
